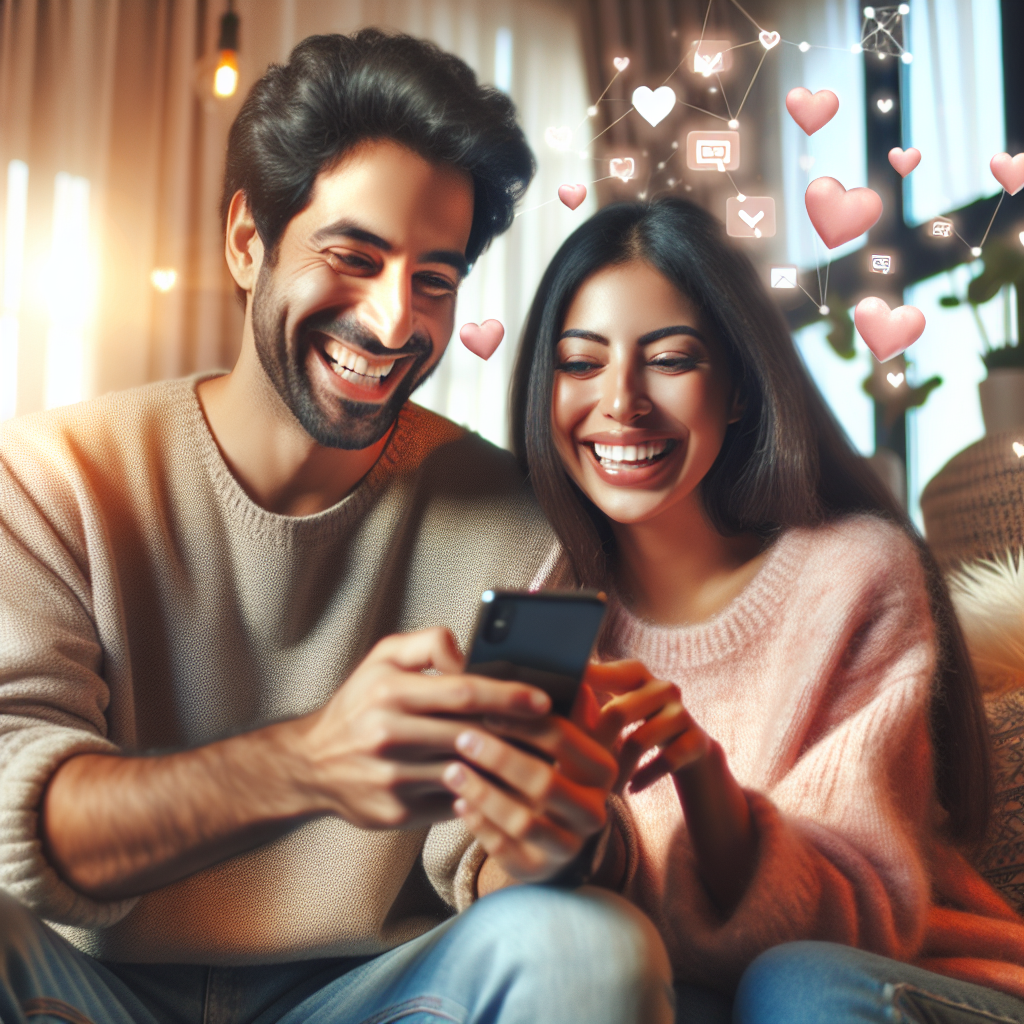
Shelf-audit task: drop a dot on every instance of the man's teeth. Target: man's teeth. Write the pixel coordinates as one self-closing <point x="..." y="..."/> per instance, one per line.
<point x="630" y="452"/>
<point x="352" y="366"/>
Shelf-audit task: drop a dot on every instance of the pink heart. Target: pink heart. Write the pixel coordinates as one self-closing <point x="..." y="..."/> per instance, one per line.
<point x="572" y="195"/>
<point x="904" y="160"/>
<point x="838" y="215"/>
<point x="887" y="332"/>
<point x="811" y="110"/>
<point x="621" y="63"/>
<point x="483" y="340"/>
<point x="1008" y="171"/>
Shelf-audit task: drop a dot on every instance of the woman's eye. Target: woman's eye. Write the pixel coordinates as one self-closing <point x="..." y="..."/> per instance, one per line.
<point x="673" y="363"/>
<point x="578" y="367"/>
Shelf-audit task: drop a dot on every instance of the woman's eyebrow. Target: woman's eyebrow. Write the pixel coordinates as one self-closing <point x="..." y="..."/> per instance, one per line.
<point x="645" y="339"/>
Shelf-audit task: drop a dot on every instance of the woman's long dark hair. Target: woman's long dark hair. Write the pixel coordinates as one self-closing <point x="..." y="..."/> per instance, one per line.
<point x="785" y="463"/>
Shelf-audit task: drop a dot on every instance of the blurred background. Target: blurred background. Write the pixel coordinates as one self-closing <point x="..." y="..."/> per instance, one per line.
<point x="114" y="116"/>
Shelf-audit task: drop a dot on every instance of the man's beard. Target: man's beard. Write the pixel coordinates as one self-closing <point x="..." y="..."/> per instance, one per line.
<point x="353" y="425"/>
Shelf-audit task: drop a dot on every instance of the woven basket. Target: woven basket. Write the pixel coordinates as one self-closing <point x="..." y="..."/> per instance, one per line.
<point x="974" y="506"/>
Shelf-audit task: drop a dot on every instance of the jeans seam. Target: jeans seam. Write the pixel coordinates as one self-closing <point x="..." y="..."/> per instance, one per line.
<point x="417" y="1005"/>
<point x="904" y="987"/>
<point x="46" y="1006"/>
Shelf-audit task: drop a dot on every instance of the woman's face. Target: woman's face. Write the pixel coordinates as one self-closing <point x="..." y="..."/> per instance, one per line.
<point x="642" y="395"/>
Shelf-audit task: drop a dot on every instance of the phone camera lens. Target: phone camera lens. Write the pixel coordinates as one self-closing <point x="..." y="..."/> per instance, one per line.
<point x="499" y="622"/>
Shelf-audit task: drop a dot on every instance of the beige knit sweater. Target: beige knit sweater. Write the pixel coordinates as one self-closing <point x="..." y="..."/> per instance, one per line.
<point x="147" y="603"/>
<point x="817" y="681"/>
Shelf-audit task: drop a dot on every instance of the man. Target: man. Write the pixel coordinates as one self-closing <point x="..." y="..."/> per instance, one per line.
<point x="224" y="779"/>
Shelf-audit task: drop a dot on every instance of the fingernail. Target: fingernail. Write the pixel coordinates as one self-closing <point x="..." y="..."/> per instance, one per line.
<point x="540" y="701"/>
<point x="455" y="776"/>
<point x="460" y="807"/>
<point x="469" y="743"/>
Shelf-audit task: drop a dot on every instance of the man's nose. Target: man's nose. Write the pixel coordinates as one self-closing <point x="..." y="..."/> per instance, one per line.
<point x="387" y="306"/>
<point x="624" y="398"/>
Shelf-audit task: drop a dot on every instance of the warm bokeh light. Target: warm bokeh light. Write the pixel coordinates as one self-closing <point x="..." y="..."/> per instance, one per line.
<point x="163" y="279"/>
<point x="225" y="78"/>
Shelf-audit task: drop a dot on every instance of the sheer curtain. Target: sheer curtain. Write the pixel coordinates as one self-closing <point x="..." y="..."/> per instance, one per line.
<point x="111" y="152"/>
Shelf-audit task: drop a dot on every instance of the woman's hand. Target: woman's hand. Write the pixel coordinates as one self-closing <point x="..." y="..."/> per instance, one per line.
<point x="714" y="807"/>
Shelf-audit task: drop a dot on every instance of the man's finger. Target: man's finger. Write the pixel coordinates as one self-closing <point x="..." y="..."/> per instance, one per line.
<point x="616" y="676"/>
<point x="427" y="648"/>
<point x="463" y="695"/>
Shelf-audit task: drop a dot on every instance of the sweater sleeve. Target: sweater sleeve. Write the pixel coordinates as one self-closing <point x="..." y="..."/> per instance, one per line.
<point x="52" y="695"/>
<point x="846" y="813"/>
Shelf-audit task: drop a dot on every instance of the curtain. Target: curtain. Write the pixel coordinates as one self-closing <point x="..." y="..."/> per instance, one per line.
<point x="111" y="156"/>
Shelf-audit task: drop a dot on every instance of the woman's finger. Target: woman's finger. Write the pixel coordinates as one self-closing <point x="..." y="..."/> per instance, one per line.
<point x="616" y="676"/>
<point x="632" y="707"/>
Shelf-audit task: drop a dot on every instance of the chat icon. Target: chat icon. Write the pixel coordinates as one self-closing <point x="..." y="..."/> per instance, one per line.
<point x="713" y="151"/>
<point x="881" y="264"/>
<point x="784" y="277"/>
<point x="750" y="217"/>
<point x="942" y="229"/>
<point x="710" y="56"/>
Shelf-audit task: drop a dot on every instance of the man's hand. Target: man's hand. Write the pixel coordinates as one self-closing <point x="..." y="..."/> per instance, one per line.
<point x="532" y="791"/>
<point x="379" y="749"/>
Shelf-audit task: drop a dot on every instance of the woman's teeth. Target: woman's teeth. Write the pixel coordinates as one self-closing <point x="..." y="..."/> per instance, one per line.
<point x="354" y="367"/>
<point x="616" y="455"/>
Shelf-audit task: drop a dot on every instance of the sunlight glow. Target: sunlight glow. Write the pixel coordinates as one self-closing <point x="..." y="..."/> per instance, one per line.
<point x="13" y="270"/>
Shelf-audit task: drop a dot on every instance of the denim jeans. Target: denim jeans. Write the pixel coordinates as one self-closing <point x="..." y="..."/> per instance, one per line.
<point x="526" y="955"/>
<point x="821" y="983"/>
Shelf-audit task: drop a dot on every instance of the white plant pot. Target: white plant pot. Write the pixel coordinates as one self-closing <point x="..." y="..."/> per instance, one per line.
<point x="1002" y="400"/>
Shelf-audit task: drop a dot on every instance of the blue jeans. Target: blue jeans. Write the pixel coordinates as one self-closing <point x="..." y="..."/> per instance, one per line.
<point x="822" y="983"/>
<point x="527" y="955"/>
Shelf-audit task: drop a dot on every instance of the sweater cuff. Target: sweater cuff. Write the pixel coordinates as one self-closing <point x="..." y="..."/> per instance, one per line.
<point x="30" y="757"/>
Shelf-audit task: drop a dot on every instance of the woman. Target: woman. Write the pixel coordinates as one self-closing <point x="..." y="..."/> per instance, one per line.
<point x="834" y="769"/>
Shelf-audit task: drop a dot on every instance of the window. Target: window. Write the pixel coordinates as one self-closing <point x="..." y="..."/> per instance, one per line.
<point x="13" y="270"/>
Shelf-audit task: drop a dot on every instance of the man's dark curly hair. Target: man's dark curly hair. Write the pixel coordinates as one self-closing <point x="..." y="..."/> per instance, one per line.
<point x="336" y="91"/>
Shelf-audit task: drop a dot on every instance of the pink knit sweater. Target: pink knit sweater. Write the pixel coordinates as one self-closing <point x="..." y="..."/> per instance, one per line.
<point x="816" y="680"/>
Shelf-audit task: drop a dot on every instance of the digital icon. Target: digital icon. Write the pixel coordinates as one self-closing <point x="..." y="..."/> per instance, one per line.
<point x="713" y="151"/>
<point x="750" y="217"/>
<point x="887" y="332"/>
<point x="769" y="39"/>
<point x="711" y="56"/>
<point x="895" y="379"/>
<point x="904" y="161"/>
<point x="1018" y="449"/>
<point x="840" y="216"/>
<point x="812" y="111"/>
<point x="482" y="340"/>
<point x="1008" y="171"/>
<point x="654" y="106"/>
<point x="942" y="229"/>
<point x="783" y="277"/>
<point x="572" y="195"/>
<point x="881" y="264"/>
<point x="622" y="168"/>
<point x="621" y="63"/>
<point x="885" y="105"/>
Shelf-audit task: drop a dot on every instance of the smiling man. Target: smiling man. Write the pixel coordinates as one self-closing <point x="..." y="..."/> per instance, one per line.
<point x="225" y="780"/>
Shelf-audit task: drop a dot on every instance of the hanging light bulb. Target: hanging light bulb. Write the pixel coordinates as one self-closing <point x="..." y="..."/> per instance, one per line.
<point x="225" y="78"/>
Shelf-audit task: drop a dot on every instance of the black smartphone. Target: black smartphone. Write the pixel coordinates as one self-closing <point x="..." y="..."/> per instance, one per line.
<point x="544" y="639"/>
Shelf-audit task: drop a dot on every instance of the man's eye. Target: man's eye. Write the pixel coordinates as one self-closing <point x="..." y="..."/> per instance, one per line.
<point x="350" y="261"/>
<point x="435" y="284"/>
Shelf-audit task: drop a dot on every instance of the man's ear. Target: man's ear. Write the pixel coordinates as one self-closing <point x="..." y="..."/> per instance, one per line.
<point x="243" y="247"/>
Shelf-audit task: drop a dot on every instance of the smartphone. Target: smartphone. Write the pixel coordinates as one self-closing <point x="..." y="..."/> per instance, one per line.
<point x="544" y="639"/>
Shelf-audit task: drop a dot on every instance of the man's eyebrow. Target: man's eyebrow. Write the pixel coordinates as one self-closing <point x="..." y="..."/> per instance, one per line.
<point x="645" y="339"/>
<point x="349" y="229"/>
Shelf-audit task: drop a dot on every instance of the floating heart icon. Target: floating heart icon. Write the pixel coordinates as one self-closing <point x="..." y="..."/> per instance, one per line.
<point x="884" y="105"/>
<point x="572" y="195"/>
<point x="811" y="110"/>
<point x="1018" y="449"/>
<point x="895" y="379"/>
<point x="838" y="215"/>
<point x="769" y="39"/>
<point x="655" y="106"/>
<point x="904" y="161"/>
<point x="1008" y="171"/>
<point x="622" y="168"/>
<point x="621" y="63"/>
<point x="483" y="340"/>
<point x="558" y="138"/>
<point x="887" y="332"/>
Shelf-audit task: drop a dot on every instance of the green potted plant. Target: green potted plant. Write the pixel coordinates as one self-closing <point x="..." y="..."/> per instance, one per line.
<point x="1002" y="390"/>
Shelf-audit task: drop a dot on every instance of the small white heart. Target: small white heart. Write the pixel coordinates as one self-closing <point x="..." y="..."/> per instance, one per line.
<point x="769" y="39"/>
<point x="622" y="168"/>
<point x="621" y="63"/>
<point x="654" y="106"/>
<point x="885" y="105"/>
<point x="895" y="379"/>
<point x="1018" y="449"/>
<point x="558" y="138"/>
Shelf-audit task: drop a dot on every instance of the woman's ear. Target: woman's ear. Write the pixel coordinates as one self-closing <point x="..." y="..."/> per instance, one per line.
<point x="737" y="408"/>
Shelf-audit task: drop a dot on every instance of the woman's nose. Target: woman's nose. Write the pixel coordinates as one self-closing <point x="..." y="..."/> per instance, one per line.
<point x="624" y="399"/>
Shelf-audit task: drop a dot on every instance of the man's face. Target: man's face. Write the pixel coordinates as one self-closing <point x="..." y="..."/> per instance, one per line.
<point x="360" y="302"/>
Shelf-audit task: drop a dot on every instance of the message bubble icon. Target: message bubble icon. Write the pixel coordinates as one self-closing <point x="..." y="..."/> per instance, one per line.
<point x="881" y="264"/>
<point x="784" y="277"/>
<point x="751" y="217"/>
<point x="713" y="151"/>
<point x="942" y="229"/>
<point x="710" y="56"/>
